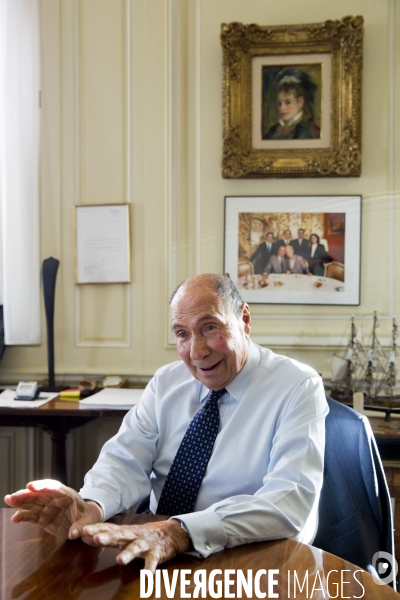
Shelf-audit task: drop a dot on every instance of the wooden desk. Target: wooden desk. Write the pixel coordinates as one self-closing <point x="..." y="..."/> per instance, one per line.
<point x="38" y="566"/>
<point x="56" y="417"/>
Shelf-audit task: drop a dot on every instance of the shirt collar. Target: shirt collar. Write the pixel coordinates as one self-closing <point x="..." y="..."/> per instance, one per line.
<point x="239" y="385"/>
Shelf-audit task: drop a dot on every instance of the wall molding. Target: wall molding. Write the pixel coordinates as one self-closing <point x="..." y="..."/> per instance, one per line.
<point x="125" y="341"/>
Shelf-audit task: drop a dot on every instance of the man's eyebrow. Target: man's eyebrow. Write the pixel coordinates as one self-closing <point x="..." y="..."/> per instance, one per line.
<point x="203" y="318"/>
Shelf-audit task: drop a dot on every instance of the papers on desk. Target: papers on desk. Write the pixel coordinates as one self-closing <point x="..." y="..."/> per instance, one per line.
<point x="116" y="398"/>
<point x="7" y="400"/>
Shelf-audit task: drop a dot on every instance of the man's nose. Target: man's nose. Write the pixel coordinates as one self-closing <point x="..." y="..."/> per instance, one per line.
<point x="199" y="348"/>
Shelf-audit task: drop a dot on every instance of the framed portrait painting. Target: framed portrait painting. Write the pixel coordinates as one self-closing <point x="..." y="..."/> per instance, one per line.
<point x="294" y="249"/>
<point x="292" y="99"/>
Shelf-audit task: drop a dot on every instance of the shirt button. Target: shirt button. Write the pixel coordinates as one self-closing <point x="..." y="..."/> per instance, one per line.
<point x="207" y="545"/>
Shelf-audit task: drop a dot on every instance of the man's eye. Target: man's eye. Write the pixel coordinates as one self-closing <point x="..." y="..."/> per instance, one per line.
<point x="209" y="327"/>
<point x="181" y="335"/>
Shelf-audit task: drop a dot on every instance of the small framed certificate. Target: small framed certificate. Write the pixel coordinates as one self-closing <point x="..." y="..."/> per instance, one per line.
<point x="102" y="243"/>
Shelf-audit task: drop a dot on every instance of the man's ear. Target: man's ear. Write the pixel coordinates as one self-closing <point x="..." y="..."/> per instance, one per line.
<point x="246" y="317"/>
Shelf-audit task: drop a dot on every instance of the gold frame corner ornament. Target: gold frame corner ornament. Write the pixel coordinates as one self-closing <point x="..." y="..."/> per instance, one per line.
<point x="342" y="40"/>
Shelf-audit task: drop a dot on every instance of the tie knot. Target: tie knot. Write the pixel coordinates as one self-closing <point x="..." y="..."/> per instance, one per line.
<point x="214" y="396"/>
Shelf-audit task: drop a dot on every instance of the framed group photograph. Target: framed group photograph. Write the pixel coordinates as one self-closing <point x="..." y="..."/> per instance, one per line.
<point x="292" y="99"/>
<point x="294" y="249"/>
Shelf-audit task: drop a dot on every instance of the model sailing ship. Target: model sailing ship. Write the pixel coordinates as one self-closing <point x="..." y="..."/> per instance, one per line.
<point x="370" y="370"/>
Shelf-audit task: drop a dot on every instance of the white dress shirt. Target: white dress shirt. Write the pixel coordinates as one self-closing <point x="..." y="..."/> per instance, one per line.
<point x="264" y="477"/>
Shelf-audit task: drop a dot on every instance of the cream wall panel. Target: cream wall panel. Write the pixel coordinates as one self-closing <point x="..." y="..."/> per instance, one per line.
<point x="132" y="110"/>
<point x="146" y="185"/>
<point x="93" y="303"/>
<point x="103" y="127"/>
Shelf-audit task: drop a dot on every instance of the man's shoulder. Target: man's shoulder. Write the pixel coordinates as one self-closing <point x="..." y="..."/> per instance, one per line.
<point x="279" y="365"/>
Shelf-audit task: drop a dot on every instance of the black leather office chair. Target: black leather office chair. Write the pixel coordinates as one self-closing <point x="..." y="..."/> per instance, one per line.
<point x="355" y="517"/>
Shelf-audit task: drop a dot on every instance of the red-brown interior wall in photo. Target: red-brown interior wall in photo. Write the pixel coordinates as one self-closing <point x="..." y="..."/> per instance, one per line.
<point x="335" y="235"/>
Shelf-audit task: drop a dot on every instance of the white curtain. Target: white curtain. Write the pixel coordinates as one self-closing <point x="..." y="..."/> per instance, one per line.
<point x="19" y="170"/>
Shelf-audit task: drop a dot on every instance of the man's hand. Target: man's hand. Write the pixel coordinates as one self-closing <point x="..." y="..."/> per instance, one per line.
<point x="155" y="542"/>
<point x="55" y="507"/>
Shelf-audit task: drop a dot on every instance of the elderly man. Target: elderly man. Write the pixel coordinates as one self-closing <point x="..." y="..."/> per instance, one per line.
<point x="229" y="441"/>
<point x="295" y="264"/>
<point x="277" y="264"/>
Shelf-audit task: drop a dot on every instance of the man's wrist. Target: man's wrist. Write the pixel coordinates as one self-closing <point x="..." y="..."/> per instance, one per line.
<point x="96" y="510"/>
<point x="181" y="536"/>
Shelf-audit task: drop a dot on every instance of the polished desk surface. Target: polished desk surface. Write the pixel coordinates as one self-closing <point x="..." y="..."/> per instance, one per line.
<point x="36" y="566"/>
<point x="59" y="408"/>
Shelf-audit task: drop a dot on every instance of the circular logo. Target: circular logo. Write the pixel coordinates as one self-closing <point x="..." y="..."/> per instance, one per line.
<point x="385" y="566"/>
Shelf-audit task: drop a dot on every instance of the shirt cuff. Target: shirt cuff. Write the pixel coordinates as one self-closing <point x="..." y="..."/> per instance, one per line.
<point x="206" y="532"/>
<point x="103" y="498"/>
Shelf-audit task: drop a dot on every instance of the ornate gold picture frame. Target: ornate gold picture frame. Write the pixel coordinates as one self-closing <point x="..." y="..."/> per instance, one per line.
<point x="292" y="99"/>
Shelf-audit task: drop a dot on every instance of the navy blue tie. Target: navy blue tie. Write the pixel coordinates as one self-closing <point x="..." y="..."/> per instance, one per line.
<point x="182" y="485"/>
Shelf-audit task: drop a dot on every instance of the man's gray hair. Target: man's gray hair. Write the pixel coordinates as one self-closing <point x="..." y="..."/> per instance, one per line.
<point x="224" y="288"/>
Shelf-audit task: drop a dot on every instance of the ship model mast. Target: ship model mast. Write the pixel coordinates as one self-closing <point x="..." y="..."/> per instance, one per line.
<point x="348" y="372"/>
<point x="369" y="370"/>
<point x="381" y="368"/>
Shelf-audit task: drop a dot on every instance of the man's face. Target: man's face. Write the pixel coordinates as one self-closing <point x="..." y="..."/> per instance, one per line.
<point x="270" y="237"/>
<point x="287" y="234"/>
<point x="289" y="251"/>
<point x="211" y="340"/>
<point x="301" y="233"/>
<point x="281" y="251"/>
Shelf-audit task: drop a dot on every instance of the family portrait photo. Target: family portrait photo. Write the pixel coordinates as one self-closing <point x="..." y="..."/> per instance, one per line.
<point x="294" y="249"/>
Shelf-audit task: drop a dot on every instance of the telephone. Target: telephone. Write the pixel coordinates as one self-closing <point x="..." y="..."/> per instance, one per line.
<point x="27" y="390"/>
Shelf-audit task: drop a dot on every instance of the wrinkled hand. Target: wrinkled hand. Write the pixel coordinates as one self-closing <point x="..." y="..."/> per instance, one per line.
<point x="55" y="507"/>
<point x="155" y="542"/>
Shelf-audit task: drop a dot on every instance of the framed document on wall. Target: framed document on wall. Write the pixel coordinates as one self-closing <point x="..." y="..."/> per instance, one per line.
<point x="102" y="243"/>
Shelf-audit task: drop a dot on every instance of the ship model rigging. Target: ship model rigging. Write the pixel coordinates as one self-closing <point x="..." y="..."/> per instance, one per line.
<point x="368" y="369"/>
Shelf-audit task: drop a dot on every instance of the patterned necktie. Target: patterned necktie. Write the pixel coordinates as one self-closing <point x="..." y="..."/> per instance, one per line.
<point x="182" y="485"/>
